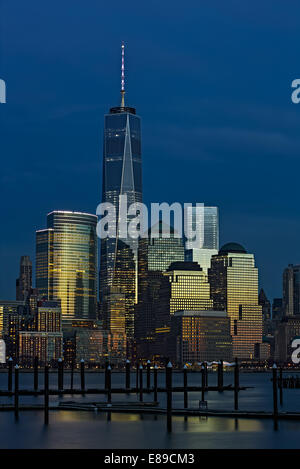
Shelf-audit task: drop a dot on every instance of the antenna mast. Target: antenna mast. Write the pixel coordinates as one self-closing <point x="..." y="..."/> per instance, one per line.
<point x="123" y="77"/>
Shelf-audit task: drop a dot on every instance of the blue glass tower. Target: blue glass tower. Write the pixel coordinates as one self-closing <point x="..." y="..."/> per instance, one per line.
<point x="121" y="175"/>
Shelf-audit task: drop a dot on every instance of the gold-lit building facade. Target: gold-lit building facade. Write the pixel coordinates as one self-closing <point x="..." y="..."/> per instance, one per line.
<point x="187" y="288"/>
<point x="233" y="277"/>
<point x="46" y="346"/>
<point x="198" y="336"/>
<point x="184" y="287"/>
<point x="66" y="263"/>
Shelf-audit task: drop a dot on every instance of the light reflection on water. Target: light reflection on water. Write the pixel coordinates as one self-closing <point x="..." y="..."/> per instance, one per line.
<point x="70" y="429"/>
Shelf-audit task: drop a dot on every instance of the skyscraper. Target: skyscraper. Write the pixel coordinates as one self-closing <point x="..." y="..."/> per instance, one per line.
<point x="183" y="287"/>
<point x="66" y="263"/>
<point x="203" y="253"/>
<point x="24" y="282"/>
<point x="121" y="176"/>
<point x="291" y="290"/>
<point x="234" y="288"/>
<point x="155" y="255"/>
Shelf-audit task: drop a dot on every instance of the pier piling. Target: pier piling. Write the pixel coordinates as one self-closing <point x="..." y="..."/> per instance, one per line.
<point x="275" y="397"/>
<point x="148" y="375"/>
<point x="203" y="383"/>
<point x="185" y="393"/>
<point x="46" y="395"/>
<point x="127" y="378"/>
<point x="60" y="375"/>
<point x="9" y="376"/>
<point x="280" y="387"/>
<point x="169" y="395"/>
<point x="137" y="376"/>
<point x="141" y="383"/>
<point x="36" y="374"/>
<point x="17" y="391"/>
<point x="220" y="376"/>
<point x="109" y="384"/>
<point x="72" y="374"/>
<point x="155" y="384"/>
<point x="236" y="385"/>
<point x="82" y="377"/>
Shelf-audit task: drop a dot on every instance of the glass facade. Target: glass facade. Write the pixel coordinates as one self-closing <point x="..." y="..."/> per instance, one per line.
<point x="234" y="287"/>
<point x="155" y="255"/>
<point x="210" y="229"/>
<point x="203" y="254"/>
<point x="66" y="263"/>
<point x="122" y="175"/>
<point x="198" y="336"/>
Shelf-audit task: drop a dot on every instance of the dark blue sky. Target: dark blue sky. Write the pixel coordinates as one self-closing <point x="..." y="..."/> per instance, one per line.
<point x="212" y="83"/>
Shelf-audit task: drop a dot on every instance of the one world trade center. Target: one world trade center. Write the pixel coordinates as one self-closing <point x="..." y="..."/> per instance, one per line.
<point x="121" y="175"/>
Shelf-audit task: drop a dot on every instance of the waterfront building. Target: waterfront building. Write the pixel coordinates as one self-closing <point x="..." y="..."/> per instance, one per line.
<point x="233" y="278"/>
<point x="198" y="336"/>
<point x="66" y="263"/>
<point x="46" y="346"/>
<point x="24" y="282"/>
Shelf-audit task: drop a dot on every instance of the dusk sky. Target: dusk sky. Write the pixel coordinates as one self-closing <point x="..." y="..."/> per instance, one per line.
<point x="212" y="83"/>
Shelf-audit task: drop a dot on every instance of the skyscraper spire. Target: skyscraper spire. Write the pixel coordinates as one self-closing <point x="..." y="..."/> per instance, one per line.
<point x="123" y="77"/>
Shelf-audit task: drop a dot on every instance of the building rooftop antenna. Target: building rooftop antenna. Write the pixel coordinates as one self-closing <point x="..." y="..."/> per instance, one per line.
<point x="123" y="76"/>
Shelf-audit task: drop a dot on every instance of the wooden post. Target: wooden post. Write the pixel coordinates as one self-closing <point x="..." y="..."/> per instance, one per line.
<point x="10" y="372"/>
<point x="127" y="377"/>
<point x="82" y="377"/>
<point x="109" y="384"/>
<point x="36" y="374"/>
<point x="137" y="377"/>
<point x="106" y="376"/>
<point x="275" y="397"/>
<point x="236" y="385"/>
<point x="185" y="392"/>
<point x="148" y="375"/>
<point x="281" y="387"/>
<point x="72" y="374"/>
<point x="46" y="394"/>
<point x="203" y="383"/>
<point x="141" y="383"/>
<point x="17" y="390"/>
<point x="155" y="384"/>
<point x="60" y="385"/>
<point x="220" y="376"/>
<point x="206" y="374"/>
<point x="169" y="395"/>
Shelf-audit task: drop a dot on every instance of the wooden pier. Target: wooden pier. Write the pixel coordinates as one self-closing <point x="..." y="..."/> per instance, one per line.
<point x="140" y="390"/>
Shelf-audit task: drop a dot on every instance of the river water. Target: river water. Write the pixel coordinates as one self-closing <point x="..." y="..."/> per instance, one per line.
<point x="83" y="429"/>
